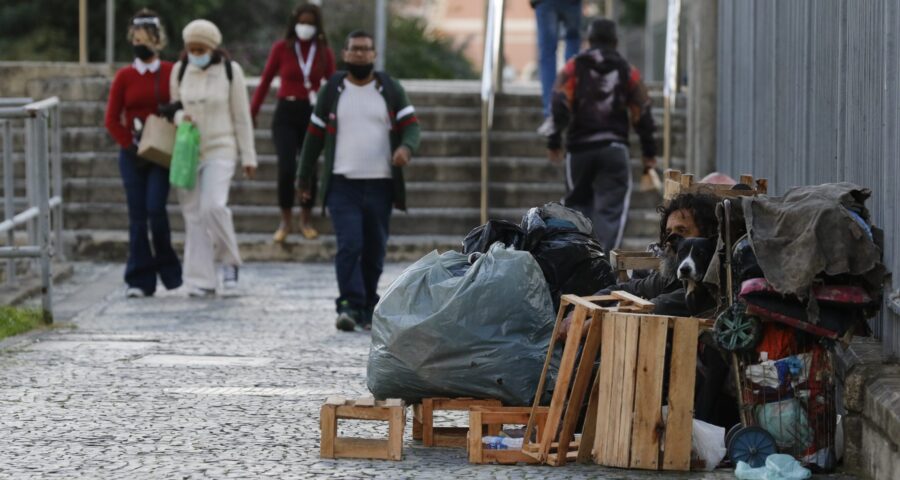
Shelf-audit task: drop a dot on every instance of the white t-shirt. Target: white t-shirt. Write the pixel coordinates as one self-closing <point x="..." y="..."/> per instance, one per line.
<point x="363" y="145"/>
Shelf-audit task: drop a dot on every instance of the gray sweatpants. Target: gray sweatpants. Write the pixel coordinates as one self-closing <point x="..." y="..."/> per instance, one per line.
<point x="599" y="186"/>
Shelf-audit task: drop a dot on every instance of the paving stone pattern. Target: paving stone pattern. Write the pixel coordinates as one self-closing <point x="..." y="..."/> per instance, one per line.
<point x="173" y="387"/>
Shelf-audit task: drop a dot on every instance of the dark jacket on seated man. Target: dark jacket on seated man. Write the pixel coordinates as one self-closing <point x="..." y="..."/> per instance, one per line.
<point x="666" y="293"/>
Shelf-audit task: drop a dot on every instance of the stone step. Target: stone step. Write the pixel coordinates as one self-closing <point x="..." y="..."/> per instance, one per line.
<point x="112" y="245"/>
<point x="422" y="169"/>
<point x="433" y="143"/>
<point x="436" y="118"/>
<point x="419" y="194"/>
<point x="448" y="93"/>
<point x="264" y="219"/>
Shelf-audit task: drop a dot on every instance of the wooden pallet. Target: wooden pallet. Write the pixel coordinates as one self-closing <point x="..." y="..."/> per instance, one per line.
<point x="493" y="419"/>
<point x="391" y="410"/>
<point x="676" y="183"/>
<point x="623" y="261"/>
<point x="565" y="405"/>
<point x="629" y="424"/>
<point x="431" y="436"/>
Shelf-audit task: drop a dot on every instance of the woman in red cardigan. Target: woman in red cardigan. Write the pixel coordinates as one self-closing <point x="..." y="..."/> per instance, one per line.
<point x="303" y="61"/>
<point x="137" y="91"/>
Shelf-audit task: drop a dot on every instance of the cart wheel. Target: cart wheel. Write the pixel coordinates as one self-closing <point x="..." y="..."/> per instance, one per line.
<point x="735" y="330"/>
<point x="731" y="431"/>
<point x="751" y="445"/>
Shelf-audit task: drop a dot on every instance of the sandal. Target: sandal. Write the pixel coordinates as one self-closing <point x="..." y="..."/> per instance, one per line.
<point x="280" y="235"/>
<point x="309" y="232"/>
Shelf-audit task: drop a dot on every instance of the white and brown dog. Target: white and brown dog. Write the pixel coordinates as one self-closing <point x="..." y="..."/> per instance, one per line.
<point x="692" y="257"/>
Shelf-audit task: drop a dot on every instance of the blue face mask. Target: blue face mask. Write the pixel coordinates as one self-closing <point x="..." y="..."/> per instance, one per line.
<point x="199" y="61"/>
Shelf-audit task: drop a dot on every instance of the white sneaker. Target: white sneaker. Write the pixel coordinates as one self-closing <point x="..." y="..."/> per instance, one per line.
<point x="197" y="292"/>
<point x="134" y="292"/>
<point x="229" y="277"/>
<point x="546" y="129"/>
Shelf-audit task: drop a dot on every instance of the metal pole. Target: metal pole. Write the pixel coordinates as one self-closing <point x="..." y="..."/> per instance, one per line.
<point x="670" y="83"/>
<point x="30" y="199"/>
<point x="110" y="32"/>
<point x="56" y="158"/>
<point x="82" y="32"/>
<point x="43" y="180"/>
<point x="380" y="33"/>
<point x="9" y="209"/>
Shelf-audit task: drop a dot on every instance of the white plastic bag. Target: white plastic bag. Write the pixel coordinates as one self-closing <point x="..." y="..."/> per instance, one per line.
<point x="778" y="467"/>
<point x="708" y="443"/>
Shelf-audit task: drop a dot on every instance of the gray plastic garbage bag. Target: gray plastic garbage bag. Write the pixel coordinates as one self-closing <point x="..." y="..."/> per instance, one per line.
<point x="445" y="331"/>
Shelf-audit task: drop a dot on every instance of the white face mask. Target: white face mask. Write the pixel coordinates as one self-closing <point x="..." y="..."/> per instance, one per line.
<point x="200" y="61"/>
<point x="304" y="31"/>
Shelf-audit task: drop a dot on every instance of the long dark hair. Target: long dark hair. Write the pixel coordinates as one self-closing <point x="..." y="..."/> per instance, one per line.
<point x="300" y="10"/>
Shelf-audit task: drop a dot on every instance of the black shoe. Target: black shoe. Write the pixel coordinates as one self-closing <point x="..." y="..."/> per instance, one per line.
<point x="348" y="317"/>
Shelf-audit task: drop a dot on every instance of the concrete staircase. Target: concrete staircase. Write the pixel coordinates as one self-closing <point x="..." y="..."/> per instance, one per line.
<point x="443" y="179"/>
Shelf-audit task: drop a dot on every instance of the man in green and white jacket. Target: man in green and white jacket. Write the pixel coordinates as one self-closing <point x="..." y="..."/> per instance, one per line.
<point x="362" y="178"/>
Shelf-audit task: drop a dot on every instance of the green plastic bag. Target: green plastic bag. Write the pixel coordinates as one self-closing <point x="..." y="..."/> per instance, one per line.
<point x="185" y="156"/>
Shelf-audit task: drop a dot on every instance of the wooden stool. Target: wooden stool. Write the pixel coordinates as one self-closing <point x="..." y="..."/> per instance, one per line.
<point x="391" y="410"/>
<point x="494" y="418"/>
<point x="431" y="436"/>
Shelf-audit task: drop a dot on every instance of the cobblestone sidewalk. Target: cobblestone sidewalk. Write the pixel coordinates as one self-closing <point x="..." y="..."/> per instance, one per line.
<point x="172" y="387"/>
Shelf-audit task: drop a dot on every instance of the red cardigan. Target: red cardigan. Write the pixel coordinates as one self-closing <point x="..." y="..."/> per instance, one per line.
<point x="284" y="63"/>
<point x="134" y="95"/>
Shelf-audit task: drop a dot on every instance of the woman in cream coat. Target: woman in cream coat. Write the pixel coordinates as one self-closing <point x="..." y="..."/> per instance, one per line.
<point x="219" y="107"/>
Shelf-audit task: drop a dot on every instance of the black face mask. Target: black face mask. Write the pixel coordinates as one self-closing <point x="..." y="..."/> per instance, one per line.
<point x="143" y="52"/>
<point x="360" y="72"/>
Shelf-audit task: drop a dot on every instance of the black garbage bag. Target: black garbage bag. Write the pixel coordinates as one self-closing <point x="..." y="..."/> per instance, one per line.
<point x="481" y="238"/>
<point x="446" y="328"/>
<point x="572" y="261"/>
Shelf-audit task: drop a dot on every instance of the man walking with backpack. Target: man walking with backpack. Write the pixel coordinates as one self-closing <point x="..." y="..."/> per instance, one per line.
<point x="597" y="94"/>
<point x="368" y="129"/>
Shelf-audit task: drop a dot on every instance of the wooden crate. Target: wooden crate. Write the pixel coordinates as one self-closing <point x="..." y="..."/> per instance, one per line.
<point x="431" y="436"/>
<point x="492" y="419"/>
<point x="579" y="352"/>
<point x="676" y="183"/>
<point x="623" y="261"/>
<point x="629" y="424"/>
<point x="392" y="411"/>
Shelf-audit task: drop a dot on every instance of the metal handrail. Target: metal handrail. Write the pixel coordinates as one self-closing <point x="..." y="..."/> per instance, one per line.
<point x="670" y="84"/>
<point x="43" y="158"/>
<point x="491" y="83"/>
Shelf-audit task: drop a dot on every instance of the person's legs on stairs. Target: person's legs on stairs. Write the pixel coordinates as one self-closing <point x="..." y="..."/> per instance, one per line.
<point x="570" y="15"/>
<point x="199" y="263"/>
<point x="216" y="183"/>
<point x="580" y="172"/>
<point x="140" y="268"/>
<point x="611" y="195"/>
<point x="547" y="39"/>
<point x="167" y="264"/>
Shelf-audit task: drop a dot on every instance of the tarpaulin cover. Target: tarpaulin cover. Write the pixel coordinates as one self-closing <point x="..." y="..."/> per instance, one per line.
<point x="445" y="331"/>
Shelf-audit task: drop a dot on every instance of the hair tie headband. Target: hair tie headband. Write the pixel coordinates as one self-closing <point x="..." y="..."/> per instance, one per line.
<point x="146" y="21"/>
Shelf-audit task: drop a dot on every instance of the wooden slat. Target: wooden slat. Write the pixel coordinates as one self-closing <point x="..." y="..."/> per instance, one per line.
<point x="762" y="186"/>
<point x="361" y="448"/>
<point x="476" y="432"/>
<point x="630" y="346"/>
<point x="395" y="433"/>
<point x="590" y="423"/>
<point x="335" y="401"/>
<point x="363" y="413"/>
<point x="604" y="397"/>
<point x="746" y="179"/>
<point x="600" y="298"/>
<point x="327" y="431"/>
<point x="580" y="386"/>
<point x="584" y="303"/>
<point x="639" y="263"/>
<point x="394" y="402"/>
<point x="427" y="423"/>
<point x="648" y="404"/>
<point x="564" y="377"/>
<point x="365" y="402"/>
<point x="417" y="422"/>
<point x="529" y="429"/>
<point x="463" y="403"/>
<point x="616" y="388"/>
<point x="682" y="375"/>
<point x="636" y="300"/>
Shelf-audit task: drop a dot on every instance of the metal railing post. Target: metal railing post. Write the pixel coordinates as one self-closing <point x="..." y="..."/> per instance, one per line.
<point x="31" y="226"/>
<point x="43" y="191"/>
<point x="491" y="78"/>
<point x="56" y="158"/>
<point x="670" y="83"/>
<point x="9" y="197"/>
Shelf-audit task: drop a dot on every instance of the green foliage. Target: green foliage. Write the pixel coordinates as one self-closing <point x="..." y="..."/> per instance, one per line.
<point x="28" y="31"/>
<point x="634" y="12"/>
<point x="14" y="321"/>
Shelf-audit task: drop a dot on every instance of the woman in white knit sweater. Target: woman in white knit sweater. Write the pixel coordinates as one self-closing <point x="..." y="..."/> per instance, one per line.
<point x="213" y="95"/>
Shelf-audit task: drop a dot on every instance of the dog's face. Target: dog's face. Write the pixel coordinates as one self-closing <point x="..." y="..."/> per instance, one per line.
<point x="693" y="257"/>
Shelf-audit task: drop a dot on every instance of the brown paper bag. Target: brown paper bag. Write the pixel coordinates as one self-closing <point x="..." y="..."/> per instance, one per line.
<point x="650" y="181"/>
<point x="157" y="140"/>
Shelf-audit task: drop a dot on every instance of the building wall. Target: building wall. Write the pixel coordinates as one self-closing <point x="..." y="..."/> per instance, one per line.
<point x="809" y="92"/>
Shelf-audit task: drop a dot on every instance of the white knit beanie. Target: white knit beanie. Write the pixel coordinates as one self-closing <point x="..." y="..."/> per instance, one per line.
<point x="202" y="31"/>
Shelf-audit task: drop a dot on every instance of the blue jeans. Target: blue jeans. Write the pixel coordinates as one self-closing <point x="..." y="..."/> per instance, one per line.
<point x="146" y="190"/>
<point x="549" y="14"/>
<point x="360" y="212"/>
